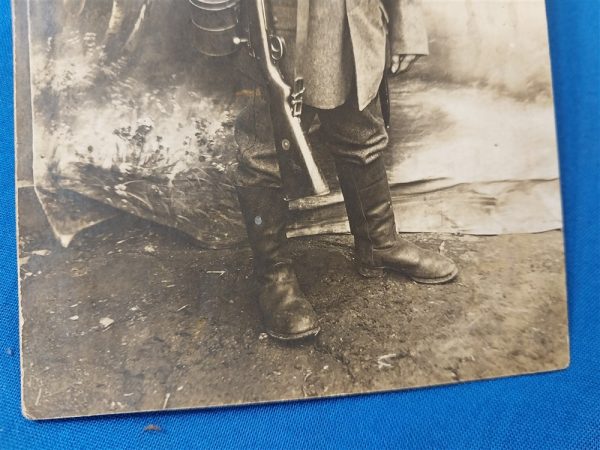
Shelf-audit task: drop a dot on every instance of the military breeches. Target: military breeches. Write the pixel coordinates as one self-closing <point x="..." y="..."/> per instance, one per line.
<point x="352" y="135"/>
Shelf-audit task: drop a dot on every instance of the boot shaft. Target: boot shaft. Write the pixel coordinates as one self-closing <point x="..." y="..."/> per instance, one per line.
<point x="368" y="204"/>
<point x="265" y="213"/>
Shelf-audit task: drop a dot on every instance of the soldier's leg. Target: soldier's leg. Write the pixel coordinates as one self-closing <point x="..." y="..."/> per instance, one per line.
<point x="286" y="312"/>
<point x="357" y="139"/>
<point x="257" y="161"/>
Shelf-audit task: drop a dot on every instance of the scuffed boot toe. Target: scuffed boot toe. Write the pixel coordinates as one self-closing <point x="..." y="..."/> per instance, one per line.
<point x="287" y="314"/>
<point x="419" y="264"/>
<point x="298" y="322"/>
<point x="434" y="269"/>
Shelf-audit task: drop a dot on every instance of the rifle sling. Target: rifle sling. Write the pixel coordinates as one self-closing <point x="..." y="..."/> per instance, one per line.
<point x="302" y="18"/>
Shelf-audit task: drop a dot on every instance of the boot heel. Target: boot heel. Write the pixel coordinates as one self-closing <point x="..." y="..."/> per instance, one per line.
<point x="370" y="272"/>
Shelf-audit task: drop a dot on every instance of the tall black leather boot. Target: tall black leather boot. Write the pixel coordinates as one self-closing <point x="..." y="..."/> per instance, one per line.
<point x="287" y="314"/>
<point x="369" y="206"/>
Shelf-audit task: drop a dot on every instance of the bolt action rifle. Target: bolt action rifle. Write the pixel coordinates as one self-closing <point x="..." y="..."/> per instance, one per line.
<point x="300" y="174"/>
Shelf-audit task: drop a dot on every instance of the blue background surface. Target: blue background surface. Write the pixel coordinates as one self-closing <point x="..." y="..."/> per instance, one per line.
<point x="557" y="410"/>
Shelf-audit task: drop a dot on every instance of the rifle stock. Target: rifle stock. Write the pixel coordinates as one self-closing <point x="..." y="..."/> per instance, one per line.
<point x="300" y="174"/>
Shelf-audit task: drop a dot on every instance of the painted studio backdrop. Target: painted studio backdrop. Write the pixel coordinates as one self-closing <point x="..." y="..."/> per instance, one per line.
<point x="128" y="116"/>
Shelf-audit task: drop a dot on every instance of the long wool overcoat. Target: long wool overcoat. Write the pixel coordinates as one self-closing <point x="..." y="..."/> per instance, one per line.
<point x="347" y="42"/>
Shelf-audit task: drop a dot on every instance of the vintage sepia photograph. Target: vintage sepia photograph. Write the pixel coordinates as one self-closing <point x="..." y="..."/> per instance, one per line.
<point x="226" y="202"/>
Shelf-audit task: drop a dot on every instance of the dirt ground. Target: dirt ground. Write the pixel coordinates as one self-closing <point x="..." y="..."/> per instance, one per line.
<point x="134" y="317"/>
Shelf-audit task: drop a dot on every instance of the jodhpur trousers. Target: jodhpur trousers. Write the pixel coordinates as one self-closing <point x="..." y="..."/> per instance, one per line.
<point x="352" y="136"/>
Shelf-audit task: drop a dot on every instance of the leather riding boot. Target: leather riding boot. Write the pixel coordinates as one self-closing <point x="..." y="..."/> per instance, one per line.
<point x="287" y="314"/>
<point x="378" y="246"/>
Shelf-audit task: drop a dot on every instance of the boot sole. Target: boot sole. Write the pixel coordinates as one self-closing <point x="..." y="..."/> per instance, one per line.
<point x="378" y="272"/>
<point x="440" y="280"/>
<point x="294" y="337"/>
